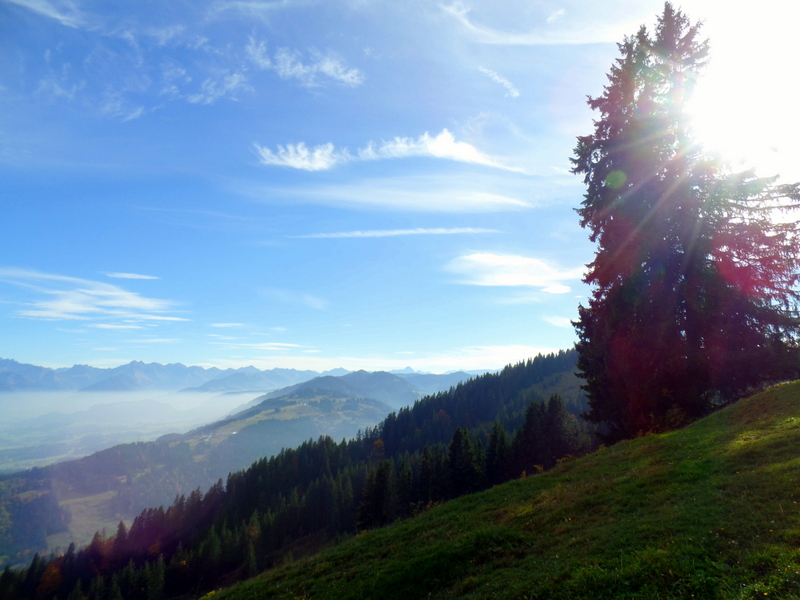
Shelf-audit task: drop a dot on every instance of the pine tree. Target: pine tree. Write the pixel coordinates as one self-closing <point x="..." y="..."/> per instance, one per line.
<point x="76" y="593"/>
<point x="498" y="456"/>
<point x="694" y="298"/>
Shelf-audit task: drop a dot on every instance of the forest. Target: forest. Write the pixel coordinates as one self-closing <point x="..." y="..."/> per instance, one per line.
<point x="478" y="434"/>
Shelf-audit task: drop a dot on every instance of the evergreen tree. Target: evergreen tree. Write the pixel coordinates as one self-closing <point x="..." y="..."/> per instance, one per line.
<point x="76" y="593"/>
<point x="694" y="295"/>
<point x="97" y="589"/>
<point x="498" y="456"/>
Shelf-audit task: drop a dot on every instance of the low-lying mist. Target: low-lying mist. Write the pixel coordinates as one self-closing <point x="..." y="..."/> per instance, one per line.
<point x="39" y="428"/>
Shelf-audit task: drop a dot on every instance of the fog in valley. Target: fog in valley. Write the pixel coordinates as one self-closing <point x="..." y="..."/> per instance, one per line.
<point x="41" y="427"/>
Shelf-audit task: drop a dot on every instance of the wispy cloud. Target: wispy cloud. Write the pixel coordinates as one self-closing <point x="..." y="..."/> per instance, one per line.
<point x="297" y="156"/>
<point x="409" y="193"/>
<point x="222" y="85"/>
<point x="227" y="325"/>
<point x="487" y="35"/>
<point x="378" y="233"/>
<point x="511" y="270"/>
<point x="294" y="297"/>
<point x="130" y="276"/>
<point x="252" y="8"/>
<point x="326" y="156"/>
<point x="564" y="322"/>
<point x="112" y="326"/>
<point x="65" y="13"/>
<point x="555" y="15"/>
<point x="511" y="89"/>
<point x="270" y="346"/>
<point x="289" y="64"/>
<point x="73" y="298"/>
<point x="488" y="357"/>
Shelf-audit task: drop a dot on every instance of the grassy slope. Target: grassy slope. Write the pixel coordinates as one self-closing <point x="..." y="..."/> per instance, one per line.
<point x="710" y="511"/>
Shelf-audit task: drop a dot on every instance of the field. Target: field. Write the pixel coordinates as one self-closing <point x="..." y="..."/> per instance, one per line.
<point x="710" y="511"/>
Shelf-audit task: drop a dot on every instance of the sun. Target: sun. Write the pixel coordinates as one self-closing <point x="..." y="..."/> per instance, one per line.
<point x="745" y="131"/>
<point x="744" y="106"/>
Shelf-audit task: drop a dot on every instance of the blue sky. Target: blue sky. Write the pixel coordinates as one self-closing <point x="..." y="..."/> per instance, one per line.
<point x="363" y="184"/>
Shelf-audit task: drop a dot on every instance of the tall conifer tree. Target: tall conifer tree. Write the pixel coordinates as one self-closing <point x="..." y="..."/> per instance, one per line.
<point x="695" y="287"/>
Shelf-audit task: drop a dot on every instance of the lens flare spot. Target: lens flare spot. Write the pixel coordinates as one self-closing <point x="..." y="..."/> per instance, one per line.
<point x="616" y="179"/>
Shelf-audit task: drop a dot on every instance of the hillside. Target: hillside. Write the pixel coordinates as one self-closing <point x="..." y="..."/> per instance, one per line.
<point x="314" y="490"/>
<point x="710" y="511"/>
<point x="75" y="498"/>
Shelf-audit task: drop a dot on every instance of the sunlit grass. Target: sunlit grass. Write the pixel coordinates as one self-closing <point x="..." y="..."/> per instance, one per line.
<point x="708" y="512"/>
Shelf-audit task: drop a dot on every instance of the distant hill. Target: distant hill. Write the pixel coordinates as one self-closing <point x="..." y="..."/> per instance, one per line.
<point x="395" y="389"/>
<point x="429" y="383"/>
<point x="254" y="380"/>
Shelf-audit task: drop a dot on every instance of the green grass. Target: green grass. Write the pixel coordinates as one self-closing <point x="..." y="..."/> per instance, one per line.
<point x="89" y="515"/>
<point x="707" y="512"/>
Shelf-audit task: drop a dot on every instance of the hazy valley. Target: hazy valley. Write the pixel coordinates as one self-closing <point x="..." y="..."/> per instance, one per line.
<point x="118" y="452"/>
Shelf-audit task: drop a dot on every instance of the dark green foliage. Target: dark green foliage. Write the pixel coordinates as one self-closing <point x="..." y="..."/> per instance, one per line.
<point x="695" y="296"/>
<point x="499" y="465"/>
<point x="306" y="496"/>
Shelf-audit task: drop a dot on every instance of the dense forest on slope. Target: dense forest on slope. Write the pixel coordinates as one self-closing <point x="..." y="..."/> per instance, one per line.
<point x="444" y="446"/>
<point x="119" y="482"/>
<point x="711" y="511"/>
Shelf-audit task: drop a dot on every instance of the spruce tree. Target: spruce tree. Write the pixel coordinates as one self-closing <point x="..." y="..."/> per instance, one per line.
<point x="695" y="295"/>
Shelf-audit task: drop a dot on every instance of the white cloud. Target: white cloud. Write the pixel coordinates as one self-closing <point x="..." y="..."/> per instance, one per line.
<point x="159" y="318"/>
<point x="114" y="104"/>
<point x="227" y="324"/>
<point x="510" y="270"/>
<point x="293" y="297"/>
<point x="398" y="232"/>
<point x="469" y="358"/>
<point x="297" y="156"/>
<point x="64" y="12"/>
<point x="271" y="346"/>
<point x="497" y="78"/>
<point x="251" y="8"/>
<point x="414" y="193"/>
<point x="326" y="156"/>
<point x="130" y="276"/>
<point x="224" y="85"/>
<point x="443" y="145"/>
<point x="559" y="321"/>
<point x="288" y="64"/>
<point x="555" y="15"/>
<point x="63" y="297"/>
<point x="163" y="35"/>
<point x="258" y="53"/>
<point x="487" y="35"/>
<point x="111" y="326"/>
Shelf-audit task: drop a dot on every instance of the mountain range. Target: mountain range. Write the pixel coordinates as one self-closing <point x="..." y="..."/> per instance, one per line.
<point x="138" y="376"/>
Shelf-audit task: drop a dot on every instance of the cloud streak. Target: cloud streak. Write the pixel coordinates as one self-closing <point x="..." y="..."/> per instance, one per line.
<point x="65" y="13"/>
<point x="379" y="233"/>
<point x="487" y="35"/>
<point x="297" y="298"/>
<point x="511" y="90"/>
<point x="511" y="270"/>
<point x="298" y="156"/>
<point x="73" y="298"/>
<point x="326" y="156"/>
<point x="288" y="64"/>
<point x="418" y="193"/>
<point x="130" y="276"/>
